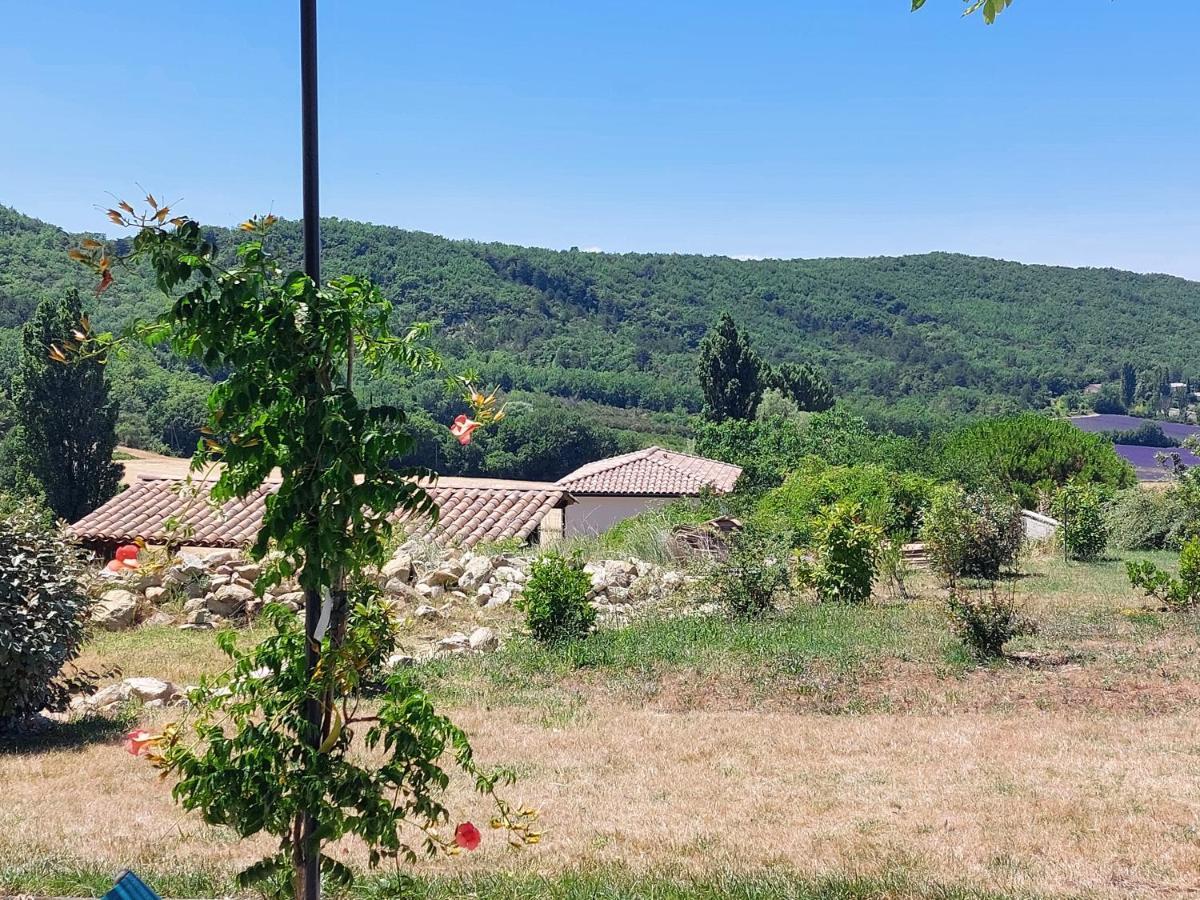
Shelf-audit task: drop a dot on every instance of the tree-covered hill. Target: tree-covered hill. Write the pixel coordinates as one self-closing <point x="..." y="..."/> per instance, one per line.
<point x="932" y="335"/>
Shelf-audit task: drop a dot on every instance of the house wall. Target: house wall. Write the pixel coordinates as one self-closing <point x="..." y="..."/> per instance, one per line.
<point x="550" y="529"/>
<point x="593" y="515"/>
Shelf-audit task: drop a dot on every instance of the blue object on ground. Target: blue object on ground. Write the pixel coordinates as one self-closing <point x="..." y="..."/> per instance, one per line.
<point x="130" y="887"/>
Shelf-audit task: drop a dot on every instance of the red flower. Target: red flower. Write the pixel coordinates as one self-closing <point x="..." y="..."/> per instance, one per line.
<point x="462" y="428"/>
<point x="136" y="742"/>
<point x="467" y="836"/>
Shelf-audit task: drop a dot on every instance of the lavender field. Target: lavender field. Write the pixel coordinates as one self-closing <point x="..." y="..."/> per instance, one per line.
<point x="1143" y="459"/>
<point x="1177" y="430"/>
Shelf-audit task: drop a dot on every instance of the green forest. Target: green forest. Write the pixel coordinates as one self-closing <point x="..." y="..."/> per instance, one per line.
<point x="912" y="343"/>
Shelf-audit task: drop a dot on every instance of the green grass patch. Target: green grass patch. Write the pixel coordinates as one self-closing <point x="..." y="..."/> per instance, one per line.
<point x="830" y="641"/>
<point x="162" y="651"/>
<point x="63" y="877"/>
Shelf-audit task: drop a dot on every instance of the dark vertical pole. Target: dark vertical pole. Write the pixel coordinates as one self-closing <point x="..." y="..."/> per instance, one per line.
<point x="309" y="876"/>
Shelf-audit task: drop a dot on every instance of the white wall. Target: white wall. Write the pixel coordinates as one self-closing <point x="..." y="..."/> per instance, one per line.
<point x="1038" y="527"/>
<point x="592" y="515"/>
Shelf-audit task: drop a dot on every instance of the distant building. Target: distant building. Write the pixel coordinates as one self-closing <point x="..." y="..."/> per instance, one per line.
<point x="610" y="490"/>
<point x="1093" y="388"/>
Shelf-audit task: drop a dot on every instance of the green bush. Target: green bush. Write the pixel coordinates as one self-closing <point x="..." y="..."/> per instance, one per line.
<point x="986" y="619"/>
<point x="845" y="555"/>
<point x="1080" y="509"/>
<point x="555" y="599"/>
<point x="767" y="450"/>
<point x="755" y="572"/>
<point x="971" y="534"/>
<point x="1140" y="519"/>
<point x="1028" y="453"/>
<point x="43" y="613"/>
<point x="893" y="501"/>
<point x="1182" y="591"/>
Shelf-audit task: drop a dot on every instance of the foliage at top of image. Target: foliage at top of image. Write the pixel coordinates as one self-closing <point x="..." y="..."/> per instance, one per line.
<point x="991" y="8"/>
<point x="43" y="614"/>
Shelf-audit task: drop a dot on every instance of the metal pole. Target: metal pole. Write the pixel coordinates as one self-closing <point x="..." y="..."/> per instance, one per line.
<point x="310" y="877"/>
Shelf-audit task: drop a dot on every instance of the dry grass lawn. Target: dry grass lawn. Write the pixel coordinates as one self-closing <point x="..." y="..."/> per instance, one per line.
<point x="1073" y="773"/>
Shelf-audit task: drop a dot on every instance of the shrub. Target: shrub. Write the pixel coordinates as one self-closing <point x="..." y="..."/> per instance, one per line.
<point x="768" y="449"/>
<point x="1182" y="591"/>
<point x="845" y="555"/>
<point x="1027" y="452"/>
<point x="1139" y="519"/>
<point x="890" y="500"/>
<point x="1148" y="434"/>
<point x="1080" y="509"/>
<point x="987" y="619"/>
<point x="43" y="613"/>
<point x="556" y="599"/>
<point x="755" y="572"/>
<point x="971" y="534"/>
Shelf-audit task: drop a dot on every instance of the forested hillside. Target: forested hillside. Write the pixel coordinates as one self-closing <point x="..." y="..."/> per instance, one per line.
<point x="906" y="338"/>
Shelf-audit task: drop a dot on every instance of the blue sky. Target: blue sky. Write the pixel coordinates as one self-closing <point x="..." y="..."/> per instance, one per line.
<point x="1069" y="132"/>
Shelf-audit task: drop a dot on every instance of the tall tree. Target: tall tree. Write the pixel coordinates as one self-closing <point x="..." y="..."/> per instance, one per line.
<point x="1128" y="383"/>
<point x="731" y="373"/>
<point x="805" y="385"/>
<point x="67" y="421"/>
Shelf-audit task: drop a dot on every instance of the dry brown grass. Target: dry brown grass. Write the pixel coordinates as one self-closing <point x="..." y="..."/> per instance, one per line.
<point x="1052" y="802"/>
<point x="1074" y="771"/>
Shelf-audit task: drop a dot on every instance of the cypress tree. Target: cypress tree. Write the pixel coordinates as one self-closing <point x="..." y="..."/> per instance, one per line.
<point x="731" y="374"/>
<point x="67" y="421"/>
<point x="1128" y="384"/>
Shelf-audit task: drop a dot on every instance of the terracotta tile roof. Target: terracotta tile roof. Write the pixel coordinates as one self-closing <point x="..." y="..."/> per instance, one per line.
<point x="653" y="472"/>
<point x="472" y="510"/>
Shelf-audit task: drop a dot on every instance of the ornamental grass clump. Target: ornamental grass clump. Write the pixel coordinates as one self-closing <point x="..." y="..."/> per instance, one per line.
<point x="555" y="599"/>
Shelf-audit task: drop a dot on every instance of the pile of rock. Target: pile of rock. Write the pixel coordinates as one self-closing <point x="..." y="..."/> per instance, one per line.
<point x="152" y="693"/>
<point x="209" y="589"/>
<point x="439" y="590"/>
<point x="620" y="587"/>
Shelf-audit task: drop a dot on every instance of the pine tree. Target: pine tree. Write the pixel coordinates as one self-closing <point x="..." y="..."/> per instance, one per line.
<point x="67" y="421"/>
<point x="731" y="374"/>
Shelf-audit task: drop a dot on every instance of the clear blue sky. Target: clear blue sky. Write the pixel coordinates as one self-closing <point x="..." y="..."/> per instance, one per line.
<point x="1069" y="132"/>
